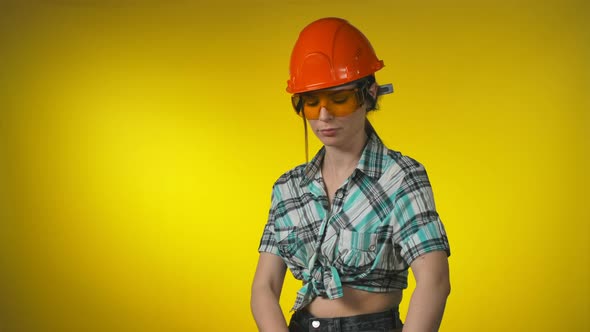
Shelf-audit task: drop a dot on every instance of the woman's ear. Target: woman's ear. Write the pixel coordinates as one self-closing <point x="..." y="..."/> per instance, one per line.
<point x="373" y="90"/>
<point x="371" y="98"/>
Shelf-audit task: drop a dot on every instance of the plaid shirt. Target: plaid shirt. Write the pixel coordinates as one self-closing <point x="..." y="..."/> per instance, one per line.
<point x="381" y="219"/>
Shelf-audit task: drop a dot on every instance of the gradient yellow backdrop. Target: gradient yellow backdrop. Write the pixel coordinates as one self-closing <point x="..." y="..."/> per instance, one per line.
<point x="139" y="141"/>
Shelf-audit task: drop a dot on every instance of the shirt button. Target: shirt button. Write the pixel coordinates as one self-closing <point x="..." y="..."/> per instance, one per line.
<point x="340" y="194"/>
<point x="372" y="247"/>
<point x="315" y="324"/>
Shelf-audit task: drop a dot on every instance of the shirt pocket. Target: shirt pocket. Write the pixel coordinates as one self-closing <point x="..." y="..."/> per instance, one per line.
<point x="291" y="247"/>
<point x="356" y="251"/>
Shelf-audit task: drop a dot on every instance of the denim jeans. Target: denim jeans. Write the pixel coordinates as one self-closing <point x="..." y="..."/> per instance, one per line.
<point x="387" y="321"/>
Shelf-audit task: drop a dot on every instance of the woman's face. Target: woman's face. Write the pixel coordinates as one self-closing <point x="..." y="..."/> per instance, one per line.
<point x="339" y="131"/>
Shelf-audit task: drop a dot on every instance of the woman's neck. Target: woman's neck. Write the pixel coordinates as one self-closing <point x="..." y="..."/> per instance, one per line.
<point x="342" y="160"/>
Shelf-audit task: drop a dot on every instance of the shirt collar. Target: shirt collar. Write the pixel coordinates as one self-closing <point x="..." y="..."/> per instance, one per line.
<point x="312" y="169"/>
<point x="371" y="162"/>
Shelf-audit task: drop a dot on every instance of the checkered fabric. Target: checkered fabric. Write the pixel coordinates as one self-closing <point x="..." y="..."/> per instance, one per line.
<point x="381" y="219"/>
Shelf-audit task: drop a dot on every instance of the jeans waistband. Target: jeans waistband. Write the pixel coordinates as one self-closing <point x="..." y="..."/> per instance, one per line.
<point x="303" y="321"/>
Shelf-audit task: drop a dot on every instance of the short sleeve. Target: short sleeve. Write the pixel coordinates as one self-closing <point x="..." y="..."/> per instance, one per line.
<point x="421" y="230"/>
<point x="268" y="242"/>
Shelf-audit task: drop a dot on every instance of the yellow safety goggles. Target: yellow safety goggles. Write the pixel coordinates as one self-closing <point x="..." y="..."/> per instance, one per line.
<point x="338" y="103"/>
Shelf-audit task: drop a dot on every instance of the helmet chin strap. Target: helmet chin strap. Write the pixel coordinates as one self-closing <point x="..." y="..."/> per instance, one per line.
<point x="306" y="140"/>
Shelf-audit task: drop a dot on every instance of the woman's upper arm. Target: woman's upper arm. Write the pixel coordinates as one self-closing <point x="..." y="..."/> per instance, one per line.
<point x="431" y="267"/>
<point x="270" y="271"/>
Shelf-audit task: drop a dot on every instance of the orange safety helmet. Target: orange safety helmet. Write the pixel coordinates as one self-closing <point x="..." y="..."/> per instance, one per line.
<point x="330" y="52"/>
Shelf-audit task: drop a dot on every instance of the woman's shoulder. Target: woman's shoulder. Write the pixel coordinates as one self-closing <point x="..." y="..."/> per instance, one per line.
<point x="404" y="163"/>
<point x="387" y="160"/>
<point x="292" y="176"/>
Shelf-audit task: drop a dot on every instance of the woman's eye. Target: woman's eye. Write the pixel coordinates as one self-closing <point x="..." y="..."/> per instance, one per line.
<point x="339" y="99"/>
<point x="311" y="101"/>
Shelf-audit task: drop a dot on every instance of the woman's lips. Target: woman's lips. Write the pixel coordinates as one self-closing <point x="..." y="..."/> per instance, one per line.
<point x="329" y="132"/>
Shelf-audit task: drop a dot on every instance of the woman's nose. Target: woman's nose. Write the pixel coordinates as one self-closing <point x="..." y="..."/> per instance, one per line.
<point x="325" y="115"/>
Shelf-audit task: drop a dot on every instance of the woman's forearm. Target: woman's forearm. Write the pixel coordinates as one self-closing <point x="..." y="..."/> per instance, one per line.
<point x="267" y="311"/>
<point x="426" y="307"/>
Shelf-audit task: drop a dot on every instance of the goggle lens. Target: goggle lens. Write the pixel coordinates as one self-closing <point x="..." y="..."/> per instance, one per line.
<point x="338" y="103"/>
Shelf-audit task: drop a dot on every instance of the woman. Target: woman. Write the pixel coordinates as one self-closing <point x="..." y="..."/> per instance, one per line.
<point x="352" y="221"/>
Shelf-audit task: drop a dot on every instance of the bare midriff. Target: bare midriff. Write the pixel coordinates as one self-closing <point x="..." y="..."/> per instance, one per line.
<point x="354" y="302"/>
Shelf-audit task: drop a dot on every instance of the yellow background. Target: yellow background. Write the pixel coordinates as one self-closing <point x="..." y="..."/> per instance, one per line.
<point x="139" y="141"/>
